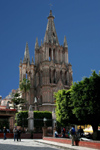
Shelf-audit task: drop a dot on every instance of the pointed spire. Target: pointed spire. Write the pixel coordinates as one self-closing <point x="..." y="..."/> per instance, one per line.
<point x="32" y="61"/>
<point x="36" y="44"/>
<point x="41" y="42"/>
<point x="50" y="15"/>
<point x="20" y="62"/>
<point x="50" y="34"/>
<point x="65" y="42"/>
<point x="26" y="54"/>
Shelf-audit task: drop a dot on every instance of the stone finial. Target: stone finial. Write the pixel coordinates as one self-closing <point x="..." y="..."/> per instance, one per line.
<point x="32" y="61"/>
<point x="20" y="62"/>
<point x="36" y="44"/>
<point x="26" y="54"/>
<point x="41" y="43"/>
<point x="65" y="42"/>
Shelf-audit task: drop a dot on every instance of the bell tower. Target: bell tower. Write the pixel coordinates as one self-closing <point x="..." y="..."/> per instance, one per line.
<point x="26" y="70"/>
<point x="51" y="71"/>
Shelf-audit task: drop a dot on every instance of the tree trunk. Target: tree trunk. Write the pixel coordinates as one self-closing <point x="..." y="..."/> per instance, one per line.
<point x="95" y="131"/>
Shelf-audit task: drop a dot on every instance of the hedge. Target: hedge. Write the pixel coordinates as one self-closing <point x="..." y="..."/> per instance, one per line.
<point x="21" y="118"/>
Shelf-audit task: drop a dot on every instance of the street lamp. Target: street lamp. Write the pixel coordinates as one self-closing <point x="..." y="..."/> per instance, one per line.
<point x="44" y="120"/>
<point x="55" y="123"/>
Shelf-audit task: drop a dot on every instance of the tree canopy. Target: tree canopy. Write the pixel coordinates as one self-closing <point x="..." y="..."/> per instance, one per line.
<point x="64" y="112"/>
<point x="80" y="104"/>
<point x="25" y="85"/>
<point x="17" y="99"/>
<point x="85" y="96"/>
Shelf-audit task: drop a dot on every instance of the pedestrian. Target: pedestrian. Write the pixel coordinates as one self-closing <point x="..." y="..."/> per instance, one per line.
<point x="63" y="131"/>
<point x="73" y="133"/>
<point x="19" y="134"/>
<point x="80" y="132"/>
<point x="15" y="133"/>
<point x="56" y="133"/>
<point x="4" y="131"/>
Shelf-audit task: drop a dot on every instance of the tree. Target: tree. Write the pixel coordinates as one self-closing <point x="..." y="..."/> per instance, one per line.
<point x="85" y="96"/>
<point x="25" y="86"/>
<point x="17" y="100"/>
<point x="64" y="112"/>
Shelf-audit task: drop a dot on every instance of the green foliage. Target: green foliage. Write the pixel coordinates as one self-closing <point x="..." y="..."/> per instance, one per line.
<point x="85" y="96"/>
<point x="63" y="107"/>
<point x="25" y="85"/>
<point x="21" y="118"/>
<point x="4" y="123"/>
<point x="39" y="115"/>
<point x="17" y="100"/>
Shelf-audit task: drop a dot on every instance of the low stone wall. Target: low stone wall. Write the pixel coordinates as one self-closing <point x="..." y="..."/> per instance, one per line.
<point x="23" y="135"/>
<point x="90" y="144"/>
<point x="8" y="135"/>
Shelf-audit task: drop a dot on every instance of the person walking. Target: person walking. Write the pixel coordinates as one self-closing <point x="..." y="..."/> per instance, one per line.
<point x="73" y="133"/>
<point x="4" y="131"/>
<point x="80" y="132"/>
<point x="19" y="134"/>
<point x="15" y="133"/>
<point x="63" y="131"/>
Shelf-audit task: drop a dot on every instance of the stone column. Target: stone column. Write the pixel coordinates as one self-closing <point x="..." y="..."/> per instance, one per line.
<point x="44" y="128"/>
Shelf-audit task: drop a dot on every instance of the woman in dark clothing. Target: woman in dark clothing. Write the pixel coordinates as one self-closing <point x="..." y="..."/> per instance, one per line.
<point x="19" y="134"/>
<point x="5" y="131"/>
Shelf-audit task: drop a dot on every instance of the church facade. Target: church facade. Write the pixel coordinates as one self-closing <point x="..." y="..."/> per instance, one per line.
<point x="50" y="72"/>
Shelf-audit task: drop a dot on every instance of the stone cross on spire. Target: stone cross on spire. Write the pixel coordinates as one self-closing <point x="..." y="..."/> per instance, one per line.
<point x="50" y="6"/>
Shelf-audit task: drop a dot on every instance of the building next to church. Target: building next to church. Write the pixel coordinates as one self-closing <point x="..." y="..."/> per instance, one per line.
<point x="50" y="72"/>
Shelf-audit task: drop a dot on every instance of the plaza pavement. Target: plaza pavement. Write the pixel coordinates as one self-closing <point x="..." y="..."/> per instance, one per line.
<point x="65" y="146"/>
<point x="37" y="144"/>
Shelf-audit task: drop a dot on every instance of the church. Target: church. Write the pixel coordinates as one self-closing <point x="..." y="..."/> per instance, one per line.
<point x="50" y="72"/>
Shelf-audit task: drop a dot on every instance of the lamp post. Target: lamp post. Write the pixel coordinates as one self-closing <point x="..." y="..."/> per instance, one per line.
<point x="44" y="120"/>
<point x="55" y="123"/>
<point x="45" y="127"/>
<point x="54" y="128"/>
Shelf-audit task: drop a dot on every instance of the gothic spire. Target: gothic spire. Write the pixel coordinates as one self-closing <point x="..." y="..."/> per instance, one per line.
<point x="36" y="44"/>
<point x="41" y="43"/>
<point x="65" y="42"/>
<point x="32" y="61"/>
<point x="50" y="34"/>
<point x="20" y="62"/>
<point x="26" y="54"/>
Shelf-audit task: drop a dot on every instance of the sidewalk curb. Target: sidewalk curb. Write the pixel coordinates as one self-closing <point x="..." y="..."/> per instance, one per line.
<point x="59" y="146"/>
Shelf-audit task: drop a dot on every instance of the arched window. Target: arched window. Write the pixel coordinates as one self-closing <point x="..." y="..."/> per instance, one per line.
<point x="54" y="55"/>
<point x="54" y="75"/>
<point x="50" y="75"/>
<point x="49" y="54"/>
<point x="59" y="56"/>
<point x="41" y="99"/>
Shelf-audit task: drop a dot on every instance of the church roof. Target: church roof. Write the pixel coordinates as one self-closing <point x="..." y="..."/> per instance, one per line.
<point x="50" y="34"/>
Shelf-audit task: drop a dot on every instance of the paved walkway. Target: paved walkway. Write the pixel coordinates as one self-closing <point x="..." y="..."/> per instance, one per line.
<point x="64" y="146"/>
<point x="35" y="144"/>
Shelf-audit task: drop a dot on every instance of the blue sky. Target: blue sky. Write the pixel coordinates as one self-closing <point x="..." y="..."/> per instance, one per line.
<point x="22" y="21"/>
